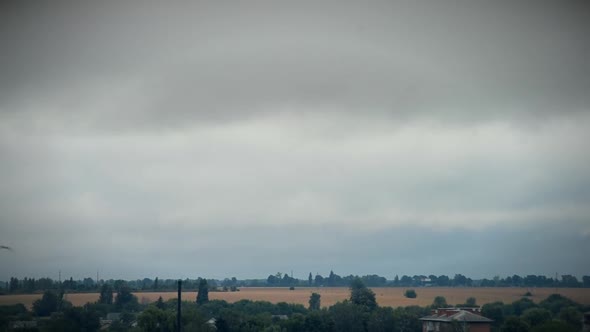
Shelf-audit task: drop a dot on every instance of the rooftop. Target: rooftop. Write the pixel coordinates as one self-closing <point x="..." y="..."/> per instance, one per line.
<point x="456" y="314"/>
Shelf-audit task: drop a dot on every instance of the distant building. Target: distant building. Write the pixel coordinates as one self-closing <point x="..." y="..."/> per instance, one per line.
<point x="112" y="316"/>
<point x="449" y="319"/>
<point x="212" y="323"/>
<point x="22" y="324"/>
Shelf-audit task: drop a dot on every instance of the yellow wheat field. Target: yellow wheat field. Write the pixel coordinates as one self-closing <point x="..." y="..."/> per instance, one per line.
<point x="385" y="296"/>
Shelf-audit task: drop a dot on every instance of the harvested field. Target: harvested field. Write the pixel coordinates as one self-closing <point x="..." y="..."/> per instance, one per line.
<point x="385" y="296"/>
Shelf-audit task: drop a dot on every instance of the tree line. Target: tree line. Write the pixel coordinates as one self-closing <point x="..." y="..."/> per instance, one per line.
<point x="359" y="313"/>
<point x="31" y="285"/>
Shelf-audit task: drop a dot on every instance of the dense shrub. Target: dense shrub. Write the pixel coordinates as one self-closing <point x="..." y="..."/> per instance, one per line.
<point x="411" y="294"/>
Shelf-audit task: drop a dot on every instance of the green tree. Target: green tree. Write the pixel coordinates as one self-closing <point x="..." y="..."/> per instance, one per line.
<point x="318" y="321"/>
<point x="88" y="320"/>
<point x="194" y="320"/>
<point x="272" y="280"/>
<point x="331" y="278"/>
<point x="556" y="302"/>
<point x="514" y="324"/>
<point x="410" y="293"/>
<point x="47" y="304"/>
<point x="520" y="306"/>
<point x="381" y="320"/>
<point x="407" y="318"/>
<point x="314" y="301"/>
<point x="471" y="302"/>
<point x="439" y="302"/>
<point x="160" y="303"/>
<point x="106" y="294"/>
<point x="349" y="317"/>
<point x="310" y="279"/>
<point x="460" y="280"/>
<point x="536" y="316"/>
<point x="14" y="284"/>
<point x="554" y="326"/>
<point x="361" y="295"/>
<point x="125" y="299"/>
<point x="203" y="294"/>
<point x="294" y="323"/>
<point x="443" y="280"/>
<point x="73" y="319"/>
<point x="156" y="283"/>
<point x="153" y="319"/>
<point x="318" y="280"/>
<point x="494" y="311"/>
<point x="572" y="317"/>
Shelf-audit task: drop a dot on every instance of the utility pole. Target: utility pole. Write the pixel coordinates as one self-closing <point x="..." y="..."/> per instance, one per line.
<point x="178" y="313"/>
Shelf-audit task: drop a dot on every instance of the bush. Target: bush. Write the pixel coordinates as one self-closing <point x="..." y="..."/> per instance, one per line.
<point x="291" y="288"/>
<point x="553" y="326"/>
<point x="439" y="302"/>
<point x="536" y="316"/>
<point x="410" y="294"/>
<point x="528" y="294"/>
<point x="471" y="302"/>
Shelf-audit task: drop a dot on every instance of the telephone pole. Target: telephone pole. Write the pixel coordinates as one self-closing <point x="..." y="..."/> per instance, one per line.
<point x="178" y="313"/>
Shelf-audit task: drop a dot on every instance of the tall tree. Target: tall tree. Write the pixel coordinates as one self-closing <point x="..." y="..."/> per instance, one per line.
<point x="314" y="301"/>
<point x="106" y="294"/>
<point x="536" y="316"/>
<point x="319" y="280"/>
<point x="514" y="324"/>
<point x="47" y="304"/>
<point x="125" y="299"/>
<point x="13" y="284"/>
<point x="331" y="278"/>
<point x="309" y="279"/>
<point x="160" y="303"/>
<point x="361" y="295"/>
<point x="203" y="294"/>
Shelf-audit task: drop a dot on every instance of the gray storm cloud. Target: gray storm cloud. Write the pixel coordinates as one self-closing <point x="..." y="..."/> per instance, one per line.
<point x="120" y="122"/>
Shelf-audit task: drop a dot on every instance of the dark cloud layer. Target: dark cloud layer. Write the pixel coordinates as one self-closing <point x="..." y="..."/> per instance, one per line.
<point x="157" y="65"/>
<point x="362" y="138"/>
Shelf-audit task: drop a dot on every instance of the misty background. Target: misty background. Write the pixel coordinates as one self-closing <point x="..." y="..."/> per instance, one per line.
<point x="241" y="139"/>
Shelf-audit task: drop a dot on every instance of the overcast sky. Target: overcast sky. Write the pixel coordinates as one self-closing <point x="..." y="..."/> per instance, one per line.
<point x="224" y="139"/>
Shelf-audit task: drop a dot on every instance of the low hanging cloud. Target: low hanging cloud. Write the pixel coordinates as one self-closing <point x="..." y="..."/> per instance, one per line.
<point x="119" y="123"/>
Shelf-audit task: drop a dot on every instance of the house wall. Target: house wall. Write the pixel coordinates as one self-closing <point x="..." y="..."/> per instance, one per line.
<point x="447" y="327"/>
<point x="479" y="328"/>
